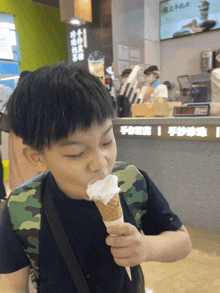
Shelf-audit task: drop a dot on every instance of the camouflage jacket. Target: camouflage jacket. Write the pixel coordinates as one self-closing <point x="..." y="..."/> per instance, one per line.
<point x="27" y="200"/>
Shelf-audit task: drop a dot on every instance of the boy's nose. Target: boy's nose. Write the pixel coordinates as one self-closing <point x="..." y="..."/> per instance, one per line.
<point x="98" y="163"/>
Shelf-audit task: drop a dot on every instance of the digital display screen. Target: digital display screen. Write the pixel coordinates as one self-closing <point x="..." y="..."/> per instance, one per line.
<point x="185" y="110"/>
<point x="201" y="110"/>
<point x="195" y="91"/>
<point x="186" y="17"/>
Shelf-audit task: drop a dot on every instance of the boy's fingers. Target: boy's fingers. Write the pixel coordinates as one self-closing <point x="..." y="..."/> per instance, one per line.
<point x="122" y="229"/>
<point x="118" y="241"/>
<point x="121" y="252"/>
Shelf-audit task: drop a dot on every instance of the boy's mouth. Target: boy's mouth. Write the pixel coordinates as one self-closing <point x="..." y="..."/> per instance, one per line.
<point x="98" y="178"/>
<point x="103" y="190"/>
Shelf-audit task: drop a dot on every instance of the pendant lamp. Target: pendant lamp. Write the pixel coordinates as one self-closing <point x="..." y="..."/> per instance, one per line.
<point x="76" y="12"/>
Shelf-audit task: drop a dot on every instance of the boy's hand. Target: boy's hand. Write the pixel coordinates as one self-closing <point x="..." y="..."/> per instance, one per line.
<point x="129" y="248"/>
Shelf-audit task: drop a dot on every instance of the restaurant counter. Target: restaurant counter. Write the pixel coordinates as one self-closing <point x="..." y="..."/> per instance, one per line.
<point x="182" y="157"/>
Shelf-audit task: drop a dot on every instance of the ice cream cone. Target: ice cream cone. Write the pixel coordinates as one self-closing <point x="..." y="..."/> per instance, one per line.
<point x="112" y="215"/>
<point x="112" y="211"/>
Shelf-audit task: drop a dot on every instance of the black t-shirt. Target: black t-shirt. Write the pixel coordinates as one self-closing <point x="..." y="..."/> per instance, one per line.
<point x="87" y="233"/>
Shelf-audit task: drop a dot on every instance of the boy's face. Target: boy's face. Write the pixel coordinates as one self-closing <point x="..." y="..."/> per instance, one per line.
<point x="83" y="157"/>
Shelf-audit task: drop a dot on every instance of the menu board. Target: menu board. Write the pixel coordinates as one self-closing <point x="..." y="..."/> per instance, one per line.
<point x="185" y="17"/>
<point x="90" y="45"/>
<point x="123" y="52"/>
<point x="134" y="55"/>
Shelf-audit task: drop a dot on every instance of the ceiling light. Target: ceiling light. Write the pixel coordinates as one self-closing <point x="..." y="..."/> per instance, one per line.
<point x="75" y="9"/>
<point x="75" y="22"/>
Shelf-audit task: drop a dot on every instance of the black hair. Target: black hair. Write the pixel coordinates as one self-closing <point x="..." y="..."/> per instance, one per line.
<point x="168" y="84"/>
<point x="151" y="69"/>
<point x="23" y="74"/>
<point x="126" y="71"/>
<point x="53" y="101"/>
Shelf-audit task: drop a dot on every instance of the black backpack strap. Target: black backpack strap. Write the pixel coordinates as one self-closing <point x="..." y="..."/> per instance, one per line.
<point x="63" y="242"/>
<point x="2" y="186"/>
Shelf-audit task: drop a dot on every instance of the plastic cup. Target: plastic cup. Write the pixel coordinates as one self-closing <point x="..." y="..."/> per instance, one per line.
<point x="96" y="64"/>
<point x="204" y="10"/>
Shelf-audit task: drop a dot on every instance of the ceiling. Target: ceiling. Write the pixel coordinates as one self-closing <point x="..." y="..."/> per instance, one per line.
<point x="51" y="3"/>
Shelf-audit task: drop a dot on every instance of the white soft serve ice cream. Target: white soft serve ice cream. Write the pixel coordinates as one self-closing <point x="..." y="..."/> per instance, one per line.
<point x="103" y="189"/>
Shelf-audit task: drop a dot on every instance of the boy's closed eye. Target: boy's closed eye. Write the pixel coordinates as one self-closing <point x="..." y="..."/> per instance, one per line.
<point x="80" y="154"/>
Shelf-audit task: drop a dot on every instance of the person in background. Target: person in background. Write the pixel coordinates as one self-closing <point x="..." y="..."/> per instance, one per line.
<point x="20" y="170"/>
<point x="169" y="88"/>
<point x="125" y="75"/>
<point x="153" y="89"/>
<point x="109" y="84"/>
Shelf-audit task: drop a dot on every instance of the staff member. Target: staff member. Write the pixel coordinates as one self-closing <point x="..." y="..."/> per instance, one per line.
<point x="153" y="89"/>
<point x="124" y="76"/>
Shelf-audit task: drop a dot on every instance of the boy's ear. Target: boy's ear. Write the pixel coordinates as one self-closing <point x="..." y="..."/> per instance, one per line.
<point x="35" y="158"/>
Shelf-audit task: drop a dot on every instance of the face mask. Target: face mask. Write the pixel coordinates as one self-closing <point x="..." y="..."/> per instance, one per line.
<point x="124" y="80"/>
<point x="149" y="78"/>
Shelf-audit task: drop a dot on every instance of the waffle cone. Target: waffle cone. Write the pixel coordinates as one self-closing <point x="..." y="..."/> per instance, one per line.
<point x="112" y="211"/>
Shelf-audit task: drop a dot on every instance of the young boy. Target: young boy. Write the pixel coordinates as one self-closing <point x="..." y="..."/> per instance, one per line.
<point x="63" y="114"/>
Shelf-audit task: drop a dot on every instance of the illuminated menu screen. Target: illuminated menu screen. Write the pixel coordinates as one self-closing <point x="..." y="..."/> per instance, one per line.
<point x="180" y="18"/>
<point x="176" y="132"/>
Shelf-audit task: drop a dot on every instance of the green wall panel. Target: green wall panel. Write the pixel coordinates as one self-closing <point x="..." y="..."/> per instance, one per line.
<point x="42" y="36"/>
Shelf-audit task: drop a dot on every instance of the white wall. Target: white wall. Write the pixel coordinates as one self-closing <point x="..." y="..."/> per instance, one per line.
<point x="151" y="33"/>
<point x="176" y="56"/>
<point x="182" y="56"/>
<point x="136" y="24"/>
<point x="127" y="28"/>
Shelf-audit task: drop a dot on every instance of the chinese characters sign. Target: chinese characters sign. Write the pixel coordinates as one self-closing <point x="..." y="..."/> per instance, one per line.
<point x="85" y="41"/>
<point x="136" y="130"/>
<point x="170" y="8"/>
<point x="78" y="41"/>
<point x="176" y="132"/>
<point x="188" y="131"/>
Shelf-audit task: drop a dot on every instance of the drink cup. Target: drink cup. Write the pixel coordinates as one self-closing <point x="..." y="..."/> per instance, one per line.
<point x="96" y="64"/>
<point x="204" y="10"/>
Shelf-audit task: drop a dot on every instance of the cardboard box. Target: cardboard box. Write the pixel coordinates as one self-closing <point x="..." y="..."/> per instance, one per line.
<point x="149" y="110"/>
<point x="141" y="110"/>
<point x="160" y="110"/>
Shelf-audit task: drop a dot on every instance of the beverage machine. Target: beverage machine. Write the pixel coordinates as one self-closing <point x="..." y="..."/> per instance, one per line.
<point x="194" y="88"/>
